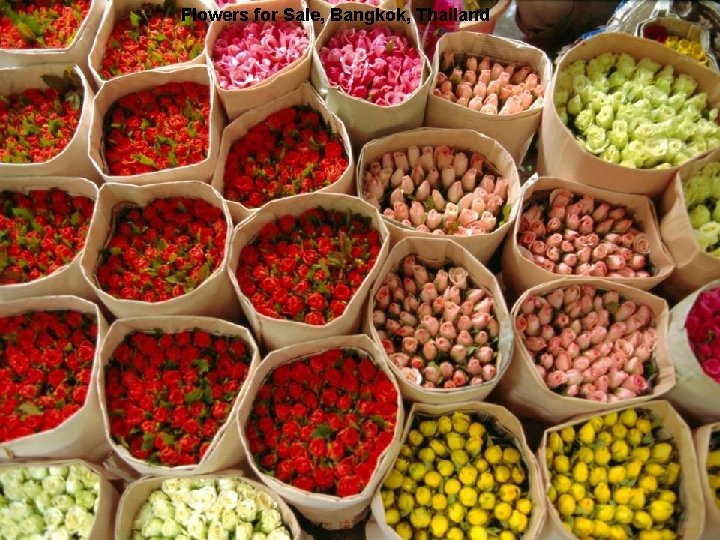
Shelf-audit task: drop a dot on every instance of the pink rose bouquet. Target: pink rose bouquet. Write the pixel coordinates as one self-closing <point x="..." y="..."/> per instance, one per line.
<point x="438" y="190"/>
<point x="571" y="234"/>
<point x="590" y="343"/>
<point x="703" y="331"/>
<point x="437" y="327"/>
<point x="246" y="54"/>
<point x="379" y="65"/>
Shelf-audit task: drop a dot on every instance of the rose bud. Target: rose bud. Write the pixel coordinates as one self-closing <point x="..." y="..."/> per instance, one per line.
<point x="405" y="331"/>
<point x="411" y="304"/>
<point x="529" y="305"/>
<point x="624" y="393"/>
<point x="447" y="330"/>
<point x="398" y="295"/>
<point x="464" y="322"/>
<point x="598" y="395"/>
<point x="428" y="293"/>
<point x="392" y="326"/>
<point x="633" y="366"/>
<point x="422" y="335"/>
<point x="650" y="335"/>
<point x="431" y="324"/>
<point x="400" y="359"/>
<point x="547" y="332"/>
<point x="401" y="211"/>
<point x="581" y="363"/>
<point x="455" y="192"/>
<point x="638" y="262"/>
<point x="583" y="340"/>
<point x="573" y="350"/>
<point x="574" y="310"/>
<point x="465" y="202"/>
<point x="408" y="263"/>
<point x="433" y="219"/>
<point x="555" y="379"/>
<point x="572" y="221"/>
<point x="635" y="339"/>
<point x="587" y="388"/>
<point x="452" y="294"/>
<point x="438" y="203"/>
<point x="396" y="178"/>
<point x="429" y="350"/>
<point x="488" y="372"/>
<point x="554" y="346"/>
<point x="545" y="314"/>
<point x="615" y="262"/>
<point x="446" y="370"/>
<point x="474" y="367"/>
<point x="535" y="344"/>
<point x="388" y="346"/>
<point x="424" y="309"/>
<point x="465" y="339"/>
<point x="486" y="305"/>
<point x="481" y="338"/>
<point x="643" y="352"/>
<point x="432" y="374"/>
<point x="441" y="281"/>
<point x="442" y="344"/>
<point x="547" y="360"/>
<point x="411" y="374"/>
<point x="533" y="325"/>
<point x="467" y="308"/>
<point x="438" y="305"/>
<point x="586" y="225"/>
<point x="458" y="353"/>
<point x="467" y="217"/>
<point x="451" y="312"/>
<point x="625" y="347"/>
<point x="449" y="385"/>
<point x="409" y="287"/>
<point x="636" y="384"/>
<point x="382" y="297"/>
<point x="562" y="361"/>
<point x="417" y="214"/>
<point x="541" y="371"/>
<point x="423" y="191"/>
<point x="562" y="320"/>
<point x="572" y="390"/>
<point x="378" y="318"/>
<point x="451" y="213"/>
<point x="417" y="363"/>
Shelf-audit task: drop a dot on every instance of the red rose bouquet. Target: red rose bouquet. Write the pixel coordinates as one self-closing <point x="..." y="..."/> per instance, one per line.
<point x="306" y="268"/>
<point x="37" y="124"/>
<point x="162" y="250"/>
<point x="292" y="151"/>
<point x="164" y="127"/>
<point x="46" y="360"/>
<point x="169" y="394"/>
<point x="41" y="232"/>
<point x="46" y="24"/>
<point x="321" y="423"/>
<point x="703" y="331"/>
<point x="149" y="37"/>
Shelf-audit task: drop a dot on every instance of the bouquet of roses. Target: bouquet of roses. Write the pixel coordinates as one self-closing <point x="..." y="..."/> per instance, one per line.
<point x="149" y="37"/>
<point x="702" y="330"/>
<point x="51" y="24"/>
<point x="702" y="197"/>
<point x="37" y="124"/>
<point x="169" y="394"/>
<point x="292" y="151"/>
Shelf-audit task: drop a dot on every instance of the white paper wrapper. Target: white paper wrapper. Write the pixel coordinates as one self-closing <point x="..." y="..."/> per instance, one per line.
<point x="695" y="268"/>
<point x="560" y="155"/>
<point x="213" y="297"/>
<point x="78" y="436"/>
<point x="436" y="252"/>
<point x="515" y="131"/>
<point x="695" y="394"/>
<point x="107" y="495"/>
<point x="522" y="389"/>
<point x="287" y="79"/>
<point x="689" y="496"/>
<point x="520" y="273"/>
<point x="138" y="492"/>
<point x="75" y="53"/>
<point x="364" y="120"/>
<point x="225" y="450"/>
<point x="277" y="333"/>
<point x="117" y="10"/>
<point x="330" y="512"/>
<point x="488" y="412"/>
<point x="303" y="95"/>
<point x="73" y="160"/>
<point x="481" y="246"/>
<point x="69" y="279"/>
<point x="702" y="437"/>
<point x="113" y="90"/>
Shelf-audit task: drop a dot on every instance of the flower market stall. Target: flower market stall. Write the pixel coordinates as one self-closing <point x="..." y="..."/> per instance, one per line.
<point x="370" y="269"/>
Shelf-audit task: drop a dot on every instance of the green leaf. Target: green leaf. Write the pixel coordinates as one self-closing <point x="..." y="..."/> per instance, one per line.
<point x="322" y="431"/>
<point x="116" y="251"/>
<point x="23" y="213"/>
<point x="193" y="396"/>
<point x="134" y="19"/>
<point x="142" y="158"/>
<point x="202" y="366"/>
<point x="204" y="272"/>
<point x="29" y="408"/>
<point x="148" y="442"/>
<point x="379" y="420"/>
<point x="75" y="219"/>
<point x="172" y="158"/>
<point x="26" y="32"/>
<point x="55" y="82"/>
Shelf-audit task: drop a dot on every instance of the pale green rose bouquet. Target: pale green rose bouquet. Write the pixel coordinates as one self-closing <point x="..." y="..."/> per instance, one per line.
<point x="702" y="197"/>
<point x="637" y="114"/>
<point x="56" y="502"/>
<point x="209" y="508"/>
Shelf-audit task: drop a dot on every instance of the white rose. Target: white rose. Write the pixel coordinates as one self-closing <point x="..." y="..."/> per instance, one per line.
<point x="229" y="519"/>
<point x="158" y="495"/>
<point x="75" y="518"/>
<point x="10" y="530"/>
<point x="196" y="526"/>
<point x="171" y="485"/>
<point x="35" y="536"/>
<point x="89" y="478"/>
<point x="12" y="476"/>
<point x="270" y="520"/>
<point x="61" y="534"/>
<point x="171" y="528"/>
<point x="258" y="536"/>
<point x="162" y="509"/>
<point x="264" y="501"/>
<point x="37" y="472"/>
<point x="73" y="485"/>
<point x="182" y="537"/>
<point x="182" y="513"/>
<point x="202" y="499"/>
<point x="246" y="510"/>
<point x="86" y="499"/>
<point x="86" y="526"/>
<point x="217" y="532"/>
<point x="228" y="499"/>
<point x="32" y="489"/>
<point x="53" y="518"/>
<point x="153" y="527"/>
<point x="197" y="483"/>
<point x="214" y="512"/>
<point x="63" y="502"/>
<point x="18" y="510"/>
<point x="43" y="502"/>
<point x="54" y="485"/>
<point x="279" y="534"/>
<point x="33" y="524"/>
<point x="58" y="470"/>
<point x="182" y="495"/>
<point x="243" y="531"/>
<point x="143" y="516"/>
<point x="14" y="491"/>
<point x="226" y="484"/>
<point x="246" y="491"/>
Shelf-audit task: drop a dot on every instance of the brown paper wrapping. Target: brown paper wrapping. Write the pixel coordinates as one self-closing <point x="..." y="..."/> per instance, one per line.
<point x="277" y="333"/>
<point x="514" y="132"/>
<point x="487" y="411"/>
<point x="522" y="389"/>
<point x="560" y="155"/>
<point x="695" y="268"/>
<point x="481" y="246"/>
<point x="73" y="160"/>
<point x="328" y="511"/>
<point x="364" y="120"/>
<point x="437" y="252"/>
<point x="702" y="437"/>
<point x="689" y="496"/>
<point x="520" y="273"/>
<point x="113" y="90"/>
<point x="138" y="492"/>
<point x="115" y="11"/>
<point x="303" y="95"/>
<point x="213" y="297"/>
<point x="69" y="279"/>
<point x="78" y="436"/>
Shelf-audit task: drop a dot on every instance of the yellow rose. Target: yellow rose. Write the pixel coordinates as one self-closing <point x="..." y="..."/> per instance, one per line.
<point x="605" y="512"/>
<point x="415" y="438"/>
<point x="673" y="474"/>
<point x="402" y="464"/>
<point x="648" y="484"/>
<point x="468" y="496"/>
<point x="502" y="474"/>
<point x="423" y="496"/>
<point x="583" y="527"/>
<point x="456" y="512"/>
<point x="439" y="525"/>
<point x="408" y="484"/>
<point x="445" y="467"/>
<point x="461" y="422"/>
<point x="511" y="456"/>
<point x="507" y="535"/>
<point x="406" y="451"/>
<point x="580" y="472"/>
<point x="518" y="522"/>
<point x="661" y="510"/>
<point x="422" y="534"/>
<point x="438" y="447"/>
<point x="622" y="495"/>
<point x="405" y="503"/>
<point x="561" y="464"/>
<point x="650" y="535"/>
<point x="629" y="417"/>
<point x="602" y="455"/>
<point x="493" y="455"/>
<point x="597" y="423"/>
<point x="473" y="446"/>
<point x="445" y="424"/>
<point x="667" y="534"/>
<point x="637" y="501"/>
<point x="602" y="529"/>
<point x="455" y="441"/>
<point x="597" y="475"/>
<point x="404" y="530"/>
<point x="566" y="505"/>
<point x="616" y="474"/>
<point x="509" y="493"/>
<point x="578" y="491"/>
<point x="428" y="428"/>
<point x="432" y="479"/>
<point x="618" y="533"/>
<point x="604" y="438"/>
<point x="623" y="514"/>
<point x="524" y="505"/>
<point x="487" y="501"/>
<point x="486" y="482"/>
<point x="420" y="518"/>
<point x="586" y="435"/>
<point x="586" y="506"/>
<point x="562" y="483"/>
<point x="388" y="497"/>
<point x="459" y="457"/>
<point x="452" y="486"/>
<point x="602" y="492"/>
<point x="439" y="502"/>
<point x="552" y="494"/>
<point x="517" y="474"/>
<point x="620" y="450"/>
<point x="478" y="533"/>
<point x="661" y="452"/>
<point x="394" y="480"/>
<point x="555" y="442"/>
<point x="417" y="471"/>
<point x="635" y="437"/>
<point x="655" y="469"/>
<point x="610" y="419"/>
<point x="426" y="455"/>
<point x="633" y="469"/>
<point x="667" y="495"/>
<point x="476" y="430"/>
<point x="468" y="475"/>
<point x="455" y="533"/>
<point x="502" y="511"/>
<point x="585" y="455"/>
<point x="478" y="516"/>
<point x="619" y="431"/>
<point x="568" y="434"/>
<point x="642" y="520"/>
<point x="641" y="454"/>
<point x="644" y="425"/>
<point x="392" y="516"/>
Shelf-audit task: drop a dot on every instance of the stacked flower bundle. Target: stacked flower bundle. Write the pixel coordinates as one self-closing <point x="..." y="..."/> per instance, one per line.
<point x="571" y="234"/>
<point x="590" y="343"/>
<point x="702" y="198"/>
<point x="51" y="24"/>
<point x="712" y="466"/>
<point x="379" y="65"/>
<point x="702" y="330"/>
<point x="438" y="190"/>
<point x="486" y="85"/>
<point x="436" y="327"/>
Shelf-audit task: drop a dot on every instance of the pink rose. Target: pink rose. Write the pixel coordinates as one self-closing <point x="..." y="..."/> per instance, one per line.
<point x="555" y="379"/>
<point x="430" y="350"/>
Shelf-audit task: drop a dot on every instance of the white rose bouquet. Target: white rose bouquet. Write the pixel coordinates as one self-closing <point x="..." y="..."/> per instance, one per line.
<point x="209" y="508"/>
<point x="54" y="502"/>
